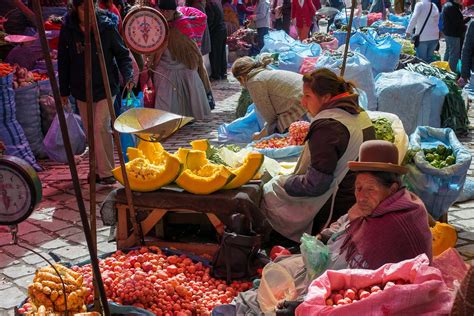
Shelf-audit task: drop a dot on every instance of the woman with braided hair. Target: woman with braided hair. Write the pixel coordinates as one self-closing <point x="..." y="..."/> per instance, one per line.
<point x="322" y="187"/>
<point x="275" y="93"/>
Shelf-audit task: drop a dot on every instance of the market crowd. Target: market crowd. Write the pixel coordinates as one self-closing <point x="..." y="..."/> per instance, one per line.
<point x="346" y="188"/>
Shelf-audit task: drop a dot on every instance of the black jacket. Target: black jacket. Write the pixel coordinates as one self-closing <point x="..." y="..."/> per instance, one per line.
<point x="71" y="58"/>
<point x="453" y="21"/>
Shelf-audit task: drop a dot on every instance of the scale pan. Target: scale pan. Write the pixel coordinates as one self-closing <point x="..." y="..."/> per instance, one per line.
<point x="328" y="11"/>
<point x="150" y="124"/>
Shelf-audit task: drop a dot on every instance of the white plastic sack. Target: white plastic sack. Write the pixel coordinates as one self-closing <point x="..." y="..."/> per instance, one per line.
<point x="401" y="138"/>
<point x="358" y="70"/>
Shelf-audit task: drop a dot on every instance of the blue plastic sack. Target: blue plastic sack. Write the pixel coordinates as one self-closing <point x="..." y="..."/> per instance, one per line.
<point x="383" y="54"/>
<point x="390" y="30"/>
<point x="341" y="37"/>
<point x="467" y="192"/>
<point x="291" y="53"/>
<point x="53" y="141"/>
<point x="358" y="70"/>
<point x="413" y="97"/>
<point x="343" y="19"/>
<point x="437" y="188"/>
<point x="403" y="20"/>
<point x="242" y="129"/>
<point x="277" y="153"/>
<point x="11" y="132"/>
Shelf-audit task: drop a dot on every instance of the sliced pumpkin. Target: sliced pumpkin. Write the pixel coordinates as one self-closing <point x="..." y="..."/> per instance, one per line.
<point x="144" y="176"/>
<point x="247" y="171"/>
<point x="444" y="237"/>
<point x="205" y="180"/>
<point x="200" y="144"/>
<point x="133" y="153"/>
<point x="182" y="155"/>
<point x="151" y="150"/>
<point x="196" y="159"/>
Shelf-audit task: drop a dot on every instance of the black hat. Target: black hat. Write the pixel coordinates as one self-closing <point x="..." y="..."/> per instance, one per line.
<point x="167" y="5"/>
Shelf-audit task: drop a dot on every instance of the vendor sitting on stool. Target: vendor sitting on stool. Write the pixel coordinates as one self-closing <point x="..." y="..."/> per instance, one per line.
<point x="387" y="224"/>
<point x="322" y="182"/>
<point x="275" y="93"/>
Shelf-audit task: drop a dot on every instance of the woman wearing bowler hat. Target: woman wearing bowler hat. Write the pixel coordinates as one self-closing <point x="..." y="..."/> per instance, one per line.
<point x="387" y="224"/>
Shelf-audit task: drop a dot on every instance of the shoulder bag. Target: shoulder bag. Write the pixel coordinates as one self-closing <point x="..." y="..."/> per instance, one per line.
<point x="416" y="38"/>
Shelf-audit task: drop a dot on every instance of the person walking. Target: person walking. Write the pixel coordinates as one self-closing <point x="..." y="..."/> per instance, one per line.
<point x="467" y="56"/>
<point x="218" y="32"/>
<point x="72" y="78"/>
<point x="424" y="22"/>
<point x="262" y="20"/>
<point x="453" y="29"/>
<point x="303" y="12"/>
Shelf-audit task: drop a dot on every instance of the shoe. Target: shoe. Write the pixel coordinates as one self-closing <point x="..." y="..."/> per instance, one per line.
<point x="106" y="181"/>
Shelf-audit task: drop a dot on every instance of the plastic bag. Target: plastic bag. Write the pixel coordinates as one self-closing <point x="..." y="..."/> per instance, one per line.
<point x="277" y="284"/>
<point x="341" y="37"/>
<point x="427" y="293"/>
<point x="315" y="255"/>
<point x="308" y="65"/>
<point x="242" y="129"/>
<point x="332" y="45"/>
<point x="437" y="188"/>
<point x="401" y="138"/>
<point x="129" y="140"/>
<point x="383" y="54"/>
<point x="53" y="141"/>
<point x="452" y="266"/>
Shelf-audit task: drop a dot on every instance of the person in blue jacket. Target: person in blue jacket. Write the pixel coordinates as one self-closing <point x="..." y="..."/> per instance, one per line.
<point x="71" y="68"/>
<point x="467" y="56"/>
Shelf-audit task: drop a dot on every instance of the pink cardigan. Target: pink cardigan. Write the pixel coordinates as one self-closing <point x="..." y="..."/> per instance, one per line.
<point x="304" y="15"/>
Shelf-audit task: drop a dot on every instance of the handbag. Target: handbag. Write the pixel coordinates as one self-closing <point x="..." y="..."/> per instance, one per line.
<point x="416" y="38"/>
<point x="238" y="256"/>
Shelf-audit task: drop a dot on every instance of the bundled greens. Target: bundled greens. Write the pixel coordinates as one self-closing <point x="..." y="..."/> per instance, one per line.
<point x="383" y="129"/>
<point x="454" y="112"/>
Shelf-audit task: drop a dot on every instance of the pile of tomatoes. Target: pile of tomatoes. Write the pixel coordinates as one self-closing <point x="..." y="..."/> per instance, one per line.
<point x="165" y="285"/>
<point x="352" y="295"/>
<point x="5" y="69"/>
<point x="297" y="134"/>
<point x="273" y="143"/>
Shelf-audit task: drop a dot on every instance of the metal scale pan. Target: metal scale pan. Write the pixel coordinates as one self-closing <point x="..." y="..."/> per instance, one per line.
<point x="150" y="125"/>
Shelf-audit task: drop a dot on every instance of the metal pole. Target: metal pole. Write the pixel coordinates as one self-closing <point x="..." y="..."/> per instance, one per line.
<point x="137" y="229"/>
<point x="348" y="38"/>
<point x="70" y="156"/>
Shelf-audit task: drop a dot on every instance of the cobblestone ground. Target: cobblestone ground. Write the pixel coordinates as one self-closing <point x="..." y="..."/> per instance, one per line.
<point x="55" y="225"/>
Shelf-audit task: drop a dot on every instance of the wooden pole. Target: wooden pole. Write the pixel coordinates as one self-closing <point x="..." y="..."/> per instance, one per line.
<point x="88" y="11"/>
<point x="348" y="38"/>
<point x="70" y="157"/>
<point x="137" y="231"/>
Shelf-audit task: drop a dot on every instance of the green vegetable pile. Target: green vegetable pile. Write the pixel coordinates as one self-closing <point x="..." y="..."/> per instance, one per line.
<point x="243" y="103"/>
<point x="454" y="112"/>
<point x="440" y="156"/>
<point x="383" y="130"/>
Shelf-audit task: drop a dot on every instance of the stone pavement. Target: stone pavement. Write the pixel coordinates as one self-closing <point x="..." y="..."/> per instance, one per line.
<point x="55" y="225"/>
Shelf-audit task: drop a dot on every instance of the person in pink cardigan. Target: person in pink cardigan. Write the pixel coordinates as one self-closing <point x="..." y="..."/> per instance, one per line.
<point x="303" y="12"/>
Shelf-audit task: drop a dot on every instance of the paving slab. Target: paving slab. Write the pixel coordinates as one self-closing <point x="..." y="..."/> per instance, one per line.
<point x="25" y="281"/>
<point x="36" y="238"/>
<point x="18" y="270"/>
<point x="11" y="297"/>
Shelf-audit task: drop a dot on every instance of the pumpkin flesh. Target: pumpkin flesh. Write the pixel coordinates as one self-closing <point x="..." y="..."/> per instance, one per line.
<point x="247" y="171"/>
<point x="205" y="180"/>
<point x="444" y="237"/>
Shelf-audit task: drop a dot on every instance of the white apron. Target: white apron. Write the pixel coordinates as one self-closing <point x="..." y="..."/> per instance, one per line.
<point x="292" y="216"/>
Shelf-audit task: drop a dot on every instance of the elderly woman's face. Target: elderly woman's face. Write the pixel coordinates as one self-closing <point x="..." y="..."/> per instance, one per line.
<point x="369" y="192"/>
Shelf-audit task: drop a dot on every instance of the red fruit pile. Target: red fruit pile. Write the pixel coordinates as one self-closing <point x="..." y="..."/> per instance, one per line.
<point x="298" y="131"/>
<point x="273" y="143"/>
<point x="352" y="295"/>
<point x="165" y="285"/>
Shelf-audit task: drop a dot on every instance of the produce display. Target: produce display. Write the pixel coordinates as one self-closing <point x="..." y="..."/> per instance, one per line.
<point x="151" y="167"/>
<point x="242" y="39"/>
<point x="47" y="291"/>
<point x="390" y="24"/>
<point x="383" y="129"/>
<point x="440" y="156"/>
<point x="5" y="69"/>
<point x="165" y="285"/>
<point x="353" y="295"/>
<point x="297" y="134"/>
<point x="21" y="76"/>
<point x="319" y="38"/>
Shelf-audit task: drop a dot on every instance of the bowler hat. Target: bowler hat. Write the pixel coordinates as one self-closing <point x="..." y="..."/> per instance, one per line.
<point x="377" y="155"/>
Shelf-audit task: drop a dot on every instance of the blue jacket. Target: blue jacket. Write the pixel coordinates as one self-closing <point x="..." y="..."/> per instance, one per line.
<point x="467" y="56"/>
<point x="71" y="58"/>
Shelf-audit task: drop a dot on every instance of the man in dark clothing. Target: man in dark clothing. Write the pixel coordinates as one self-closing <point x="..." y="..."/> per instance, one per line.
<point x="453" y="29"/>
<point x="467" y="57"/>
<point x="218" y="32"/>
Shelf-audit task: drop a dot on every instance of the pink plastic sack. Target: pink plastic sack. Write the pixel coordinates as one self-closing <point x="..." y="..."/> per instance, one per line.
<point x="426" y="294"/>
<point x="293" y="32"/>
<point x="452" y="267"/>
<point x="332" y="45"/>
<point x="373" y="17"/>
<point x="308" y="64"/>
